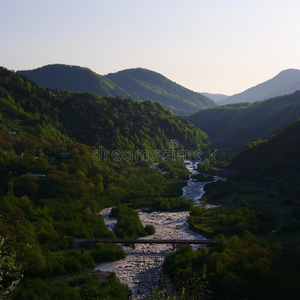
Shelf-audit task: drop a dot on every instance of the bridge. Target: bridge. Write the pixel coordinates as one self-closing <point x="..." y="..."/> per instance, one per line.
<point x="173" y="242"/>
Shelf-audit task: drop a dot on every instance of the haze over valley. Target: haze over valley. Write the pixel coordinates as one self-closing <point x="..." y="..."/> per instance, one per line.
<point x="149" y="150"/>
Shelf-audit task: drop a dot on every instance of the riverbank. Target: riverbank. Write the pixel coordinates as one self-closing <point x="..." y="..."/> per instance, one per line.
<point x="146" y="259"/>
<point x="203" y="233"/>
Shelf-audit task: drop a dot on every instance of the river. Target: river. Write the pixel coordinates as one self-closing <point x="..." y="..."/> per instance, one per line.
<point x="144" y="262"/>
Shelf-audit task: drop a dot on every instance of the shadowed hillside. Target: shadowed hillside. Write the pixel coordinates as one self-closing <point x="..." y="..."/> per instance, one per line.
<point x="143" y="84"/>
<point x="138" y="84"/>
<point x="234" y="125"/>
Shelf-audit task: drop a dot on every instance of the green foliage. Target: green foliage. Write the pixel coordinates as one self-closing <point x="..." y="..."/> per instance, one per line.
<point x="243" y="267"/>
<point x="10" y="269"/>
<point x="149" y="229"/>
<point x="234" y="125"/>
<point x="139" y="84"/>
<point x="171" y="204"/>
<point x="128" y="222"/>
<point x="225" y="220"/>
<point x="112" y="123"/>
<point x="192" y="288"/>
<point x="108" y="252"/>
<point x="202" y="178"/>
<point x="73" y="78"/>
<point x="276" y="157"/>
<point x="38" y="212"/>
<point x="265" y="175"/>
<point x="79" y="287"/>
<point x="174" y="169"/>
<point x="111" y="289"/>
<point x="38" y="289"/>
<point x="183" y="268"/>
<point x="65" y="262"/>
<point x="52" y="185"/>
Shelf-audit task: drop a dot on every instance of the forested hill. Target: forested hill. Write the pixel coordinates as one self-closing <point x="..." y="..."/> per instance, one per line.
<point x="234" y="125"/>
<point x="143" y="84"/>
<point x="73" y="78"/>
<point x="53" y="186"/>
<point x="286" y="82"/>
<point x="138" y="84"/>
<point x="277" y="157"/>
<point x="113" y="123"/>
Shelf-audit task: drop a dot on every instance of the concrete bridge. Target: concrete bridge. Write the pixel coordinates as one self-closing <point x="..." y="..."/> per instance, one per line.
<point x="173" y="242"/>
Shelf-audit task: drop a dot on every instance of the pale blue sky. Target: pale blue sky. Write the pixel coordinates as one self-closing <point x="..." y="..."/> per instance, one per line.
<point x="214" y="46"/>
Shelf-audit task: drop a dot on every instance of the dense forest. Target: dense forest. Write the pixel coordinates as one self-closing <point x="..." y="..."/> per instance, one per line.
<point x="139" y="84"/>
<point x="52" y="187"/>
<point x="256" y="228"/>
<point x="112" y="123"/>
<point x="75" y="79"/>
<point x="54" y="183"/>
<point x="234" y="125"/>
<point x="143" y="84"/>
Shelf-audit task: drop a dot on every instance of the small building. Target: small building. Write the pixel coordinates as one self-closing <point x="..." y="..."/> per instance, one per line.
<point x="65" y="154"/>
<point x="40" y="176"/>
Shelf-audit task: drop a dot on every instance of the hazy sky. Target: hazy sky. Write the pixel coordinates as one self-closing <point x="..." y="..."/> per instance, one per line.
<point x="217" y="46"/>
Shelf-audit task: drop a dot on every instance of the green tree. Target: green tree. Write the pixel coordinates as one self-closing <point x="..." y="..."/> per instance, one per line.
<point x="10" y="269"/>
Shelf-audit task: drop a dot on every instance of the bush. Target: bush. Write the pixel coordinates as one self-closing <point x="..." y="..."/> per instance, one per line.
<point x="149" y="229"/>
<point x="108" y="252"/>
<point x="38" y="289"/>
<point x="111" y="289"/>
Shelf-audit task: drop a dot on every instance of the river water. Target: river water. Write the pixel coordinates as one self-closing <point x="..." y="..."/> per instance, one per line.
<point x="144" y="262"/>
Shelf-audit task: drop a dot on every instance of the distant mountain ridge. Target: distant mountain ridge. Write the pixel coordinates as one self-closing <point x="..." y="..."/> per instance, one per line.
<point x="143" y="84"/>
<point x="73" y="78"/>
<point x="216" y="97"/>
<point x="138" y="84"/>
<point x="286" y="82"/>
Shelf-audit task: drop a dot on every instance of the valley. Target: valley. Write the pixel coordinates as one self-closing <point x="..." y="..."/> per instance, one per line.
<point x="143" y="260"/>
<point x="54" y="182"/>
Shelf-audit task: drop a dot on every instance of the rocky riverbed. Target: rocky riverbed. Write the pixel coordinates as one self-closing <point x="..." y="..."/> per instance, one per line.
<point x="144" y="262"/>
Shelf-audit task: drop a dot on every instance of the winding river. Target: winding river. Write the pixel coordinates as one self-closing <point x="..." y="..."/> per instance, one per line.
<point x="144" y="262"/>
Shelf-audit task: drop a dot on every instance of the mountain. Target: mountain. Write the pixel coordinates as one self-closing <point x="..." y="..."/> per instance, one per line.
<point x="54" y="182"/>
<point x="143" y="84"/>
<point x="234" y="125"/>
<point x="138" y="84"/>
<point x="73" y="78"/>
<point x="276" y="157"/>
<point x="114" y="123"/>
<point x="215" y="97"/>
<point x="287" y="81"/>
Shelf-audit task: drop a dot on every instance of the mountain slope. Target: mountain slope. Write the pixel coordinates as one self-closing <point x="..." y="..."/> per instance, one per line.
<point x="138" y="84"/>
<point x="143" y="84"/>
<point x="73" y="78"/>
<point x="276" y="157"/>
<point x="215" y="97"/>
<point x="52" y="187"/>
<point x="234" y="125"/>
<point x="114" y="123"/>
<point x="287" y="81"/>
